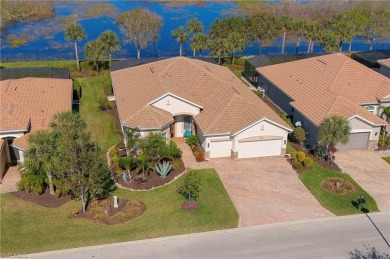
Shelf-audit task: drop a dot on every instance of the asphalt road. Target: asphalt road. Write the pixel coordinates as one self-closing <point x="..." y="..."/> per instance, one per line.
<point x="320" y="238"/>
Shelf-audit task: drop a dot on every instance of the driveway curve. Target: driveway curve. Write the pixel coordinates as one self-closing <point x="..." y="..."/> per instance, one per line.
<point x="370" y="171"/>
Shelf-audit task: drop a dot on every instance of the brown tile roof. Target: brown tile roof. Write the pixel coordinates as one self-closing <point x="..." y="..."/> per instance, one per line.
<point x="32" y="102"/>
<point x="228" y="105"/>
<point x="329" y="84"/>
<point x="385" y="62"/>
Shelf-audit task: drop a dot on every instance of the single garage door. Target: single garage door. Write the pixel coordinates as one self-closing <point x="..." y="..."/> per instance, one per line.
<point x="220" y="148"/>
<point x="247" y="149"/>
<point x="356" y="140"/>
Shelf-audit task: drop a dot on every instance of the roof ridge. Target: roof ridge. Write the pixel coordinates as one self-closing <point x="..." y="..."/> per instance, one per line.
<point x="222" y="111"/>
<point x="203" y="69"/>
<point x="336" y="76"/>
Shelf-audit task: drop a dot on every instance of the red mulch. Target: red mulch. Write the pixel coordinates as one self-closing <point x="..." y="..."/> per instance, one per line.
<point x="154" y="179"/>
<point x="189" y="206"/>
<point x="319" y="161"/>
<point x="45" y="199"/>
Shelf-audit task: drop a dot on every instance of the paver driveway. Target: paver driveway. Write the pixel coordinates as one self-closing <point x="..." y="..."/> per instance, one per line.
<point x="263" y="190"/>
<point x="370" y="171"/>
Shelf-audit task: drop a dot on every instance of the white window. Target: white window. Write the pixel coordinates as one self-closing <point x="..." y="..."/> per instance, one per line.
<point x="187" y="122"/>
<point x="370" y="108"/>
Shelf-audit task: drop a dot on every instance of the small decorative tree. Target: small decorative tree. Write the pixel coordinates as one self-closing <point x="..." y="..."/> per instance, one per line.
<point x="334" y="130"/>
<point x="190" y="186"/>
<point x="299" y="135"/>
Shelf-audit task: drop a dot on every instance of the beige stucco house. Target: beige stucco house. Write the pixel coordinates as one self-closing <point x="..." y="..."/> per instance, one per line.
<point x="178" y="94"/>
<point x="312" y="89"/>
<point x="28" y="105"/>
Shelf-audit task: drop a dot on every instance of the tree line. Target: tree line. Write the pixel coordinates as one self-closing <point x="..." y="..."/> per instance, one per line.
<point x="230" y="35"/>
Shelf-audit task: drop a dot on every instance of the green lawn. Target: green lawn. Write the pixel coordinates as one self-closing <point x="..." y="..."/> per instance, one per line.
<point x="100" y="124"/>
<point x="387" y="159"/>
<point x="338" y="204"/>
<point x="26" y="227"/>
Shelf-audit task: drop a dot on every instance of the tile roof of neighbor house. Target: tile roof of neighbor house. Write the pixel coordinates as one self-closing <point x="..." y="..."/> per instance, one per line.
<point x="330" y="85"/>
<point x="385" y="62"/>
<point x="228" y="105"/>
<point x="32" y="102"/>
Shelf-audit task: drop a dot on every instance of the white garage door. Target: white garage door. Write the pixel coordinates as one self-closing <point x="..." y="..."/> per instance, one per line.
<point x="220" y="148"/>
<point x="260" y="148"/>
<point x="356" y="140"/>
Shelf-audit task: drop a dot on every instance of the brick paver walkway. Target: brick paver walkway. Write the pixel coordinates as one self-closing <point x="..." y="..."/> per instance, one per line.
<point x="263" y="190"/>
<point x="10" y="179"/>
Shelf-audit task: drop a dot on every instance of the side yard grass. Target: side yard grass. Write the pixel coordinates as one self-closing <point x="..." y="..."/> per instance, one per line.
<point x="387" y="159"/>
<point x="337" y="204"/>
<point x="27" y="228"/>
<point x="101" y="124"/>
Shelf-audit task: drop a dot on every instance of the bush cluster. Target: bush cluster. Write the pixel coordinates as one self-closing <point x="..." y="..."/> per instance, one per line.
<point x="300" y="159"/>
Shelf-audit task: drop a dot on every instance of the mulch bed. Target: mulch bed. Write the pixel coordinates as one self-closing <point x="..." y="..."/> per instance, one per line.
<point x="338" y="186"/>
<point x="189" y="206"/>
<point x="103" y="211"/>
<point x="45" y="199"/>
<point x="319" y="161"/>
<point x="153" y="179"/>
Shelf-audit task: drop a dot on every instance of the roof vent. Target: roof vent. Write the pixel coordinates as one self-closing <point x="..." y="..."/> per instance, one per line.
<point x="152" y="70"/>
<point x="323" y="62"/>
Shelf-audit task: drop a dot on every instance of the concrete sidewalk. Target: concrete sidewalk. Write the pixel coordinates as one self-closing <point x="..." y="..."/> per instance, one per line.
<point x="326" y="238"/>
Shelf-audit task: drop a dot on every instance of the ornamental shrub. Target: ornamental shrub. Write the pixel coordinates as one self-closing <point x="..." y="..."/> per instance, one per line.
<point x="308" y="162"/>
<point x="297" y="165"/>
<point x="192" y="140"/>
<point x="381" y="141"/>
<point x="174" y="150"/>
<point x="301" y="156"/>
<point x="299" y="135"/>
<point x="387" y="140"/>
<point x="189" y="186"/>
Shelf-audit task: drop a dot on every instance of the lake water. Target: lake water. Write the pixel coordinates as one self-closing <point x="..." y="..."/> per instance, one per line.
<point x="46" y="38"/>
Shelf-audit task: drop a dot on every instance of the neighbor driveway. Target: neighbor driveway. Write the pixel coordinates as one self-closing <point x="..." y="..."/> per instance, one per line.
<point x="263" y="190"/>
<point x="370" y="171"/>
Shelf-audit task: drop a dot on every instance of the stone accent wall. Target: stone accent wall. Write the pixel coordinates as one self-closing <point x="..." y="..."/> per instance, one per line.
<point x="207" y="155"/>
<point x="373" y="144"/>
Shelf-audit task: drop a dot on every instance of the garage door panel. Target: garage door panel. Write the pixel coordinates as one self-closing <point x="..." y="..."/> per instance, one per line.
<point x="356" y="141"/>
<point x="259" y="148"/>
<point x="220" y="149"/>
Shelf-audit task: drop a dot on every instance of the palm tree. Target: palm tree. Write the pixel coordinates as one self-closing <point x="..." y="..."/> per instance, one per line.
<point x="285" y="24"/>
<point x="110" y="43"/>
<point x="386" y="112"/>
<point x="95" y="51"/>
<point x="144" y="164"/>
<point x="42" y="155"/>
<point x="334" y="130"/>
<point x="199" y="43"/>
<point x="219" y="48"/>
<point x="299" y="26"/>
<point x="76" y="33"/>
<point x="343" y="28"/>
<point x="131" y="138"/>
<point x="312" y="33"/>
<point x="181" y="36"/>
<point x="236" y="43"/>
<point x="194" y="26"/>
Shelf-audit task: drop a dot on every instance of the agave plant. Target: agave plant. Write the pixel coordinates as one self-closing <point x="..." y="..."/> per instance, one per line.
<point x="163" y="169"/>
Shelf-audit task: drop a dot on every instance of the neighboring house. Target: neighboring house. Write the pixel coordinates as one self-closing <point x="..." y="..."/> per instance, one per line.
<point x="28" y="105"/>
<point x="253" y="63"/>
<point x="370" y="58"/>
<point x="180" y="94"/>
<point x="312" y="89"/>
<point x="385" y="67"/>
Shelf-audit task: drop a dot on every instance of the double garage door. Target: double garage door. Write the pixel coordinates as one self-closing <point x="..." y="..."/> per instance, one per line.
<point x="259" y="148"/>
<point x="246" y="149"/>
<point x="356" y="140"/>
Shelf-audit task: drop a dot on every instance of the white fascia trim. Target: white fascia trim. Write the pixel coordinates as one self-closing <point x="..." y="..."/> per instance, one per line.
<point x="369" y="122"/>
<point x="178" y="97"/>
<point x="13" y="131"/>
<point x="263" y="119"/>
